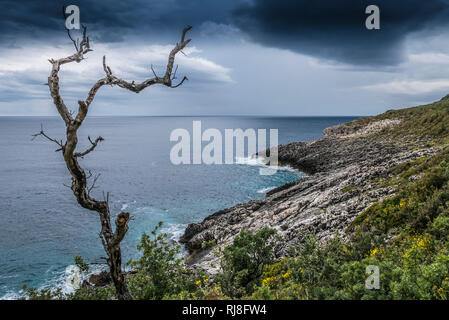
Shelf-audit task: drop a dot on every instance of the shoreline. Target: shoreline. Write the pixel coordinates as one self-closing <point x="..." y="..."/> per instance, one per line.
<point x="62" y="277"/>
<point x="342" y="172"/>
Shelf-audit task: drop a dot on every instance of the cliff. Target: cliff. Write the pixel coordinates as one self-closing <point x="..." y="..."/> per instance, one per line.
<point x="346" y="174"/>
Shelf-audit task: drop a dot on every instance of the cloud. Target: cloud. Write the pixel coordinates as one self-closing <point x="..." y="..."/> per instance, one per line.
<point x="326" y="29"/>
<point x="109" y="21"/>
<point x="410" y="87"/>
<point x="27" y="68"/>
<point x="212" y="30"/>
<point x="422" y="75"/>
<point x="429" y="58"/>
<point x="335" y="30"/>
<point x="316" y="54"/>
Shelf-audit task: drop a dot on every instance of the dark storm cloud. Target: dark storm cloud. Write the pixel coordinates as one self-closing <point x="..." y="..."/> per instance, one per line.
<point x="336" y="30"/>
<point x="330" y="29"/>
<point x="37" y="19"/>
<point x="112" y="19"/>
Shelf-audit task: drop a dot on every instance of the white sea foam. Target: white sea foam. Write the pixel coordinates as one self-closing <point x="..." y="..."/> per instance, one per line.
<point x="68" y="280"/>
<point x="265" y="190"/>
<point x="260" y="162"/>
<point x="126" y="205"/>
<point x="251" y="161"/>
<point x="72" y="278"/>
<point x="11" y="296"/>
<point x="174" y="230"/>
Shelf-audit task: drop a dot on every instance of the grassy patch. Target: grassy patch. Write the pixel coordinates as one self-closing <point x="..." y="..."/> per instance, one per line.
<point x="420" y="127"/>
<point x="349" y="188"/>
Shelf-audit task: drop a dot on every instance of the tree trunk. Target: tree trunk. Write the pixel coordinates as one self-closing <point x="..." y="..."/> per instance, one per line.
<point x="111" y="240"/>
<point x="115" y="266"/>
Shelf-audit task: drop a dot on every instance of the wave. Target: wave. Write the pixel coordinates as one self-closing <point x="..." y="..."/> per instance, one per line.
<point x="265" y="190"/>
<point x="260" y="162"/>
<point x="68" y="280"/>
<point x="174" y="230"/>
<point x="71" y="278"/>
<point x="126" y="205"/>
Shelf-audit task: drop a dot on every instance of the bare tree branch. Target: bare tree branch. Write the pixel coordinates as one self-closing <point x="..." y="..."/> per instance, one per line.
<point x="53" y="79"/>
<point x="179" y="84"/>
<point x="121" y="224"/>
<point x="75" y="43"/>
<point x="132" y="86"/>
<point x="42" y="133"/>
<point x="93" y="184"/>
<point x="92" y="148"/>
<point x="174" y="73"/>
<point x="155" y="75"/>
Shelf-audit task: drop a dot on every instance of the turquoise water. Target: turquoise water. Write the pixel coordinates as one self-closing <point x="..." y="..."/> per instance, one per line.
<point x="42" y="225"/>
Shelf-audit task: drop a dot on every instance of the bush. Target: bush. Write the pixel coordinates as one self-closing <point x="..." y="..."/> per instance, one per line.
<point x="244" y="260"/>
<point x="93" y="293"/>
<point x="160" y="272"/>
<point x="441" y="226"/>
<point x="42" y="294"/>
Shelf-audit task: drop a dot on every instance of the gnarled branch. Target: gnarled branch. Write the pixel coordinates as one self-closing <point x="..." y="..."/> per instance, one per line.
<point x="111" y="79"/>
<point x="92" y="148"/>
<point x="93" y="184"/>
<point x="121" y="227"/>
<point x="42" y="133"/>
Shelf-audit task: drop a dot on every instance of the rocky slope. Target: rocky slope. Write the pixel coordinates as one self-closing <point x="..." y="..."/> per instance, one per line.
<point x="344" y="170"/>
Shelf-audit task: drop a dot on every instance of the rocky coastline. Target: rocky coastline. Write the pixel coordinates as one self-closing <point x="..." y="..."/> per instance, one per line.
<point x="344" y="171"/>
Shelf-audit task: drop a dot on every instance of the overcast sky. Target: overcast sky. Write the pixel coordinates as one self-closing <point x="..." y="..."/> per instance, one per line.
<point x="247" y="57"/>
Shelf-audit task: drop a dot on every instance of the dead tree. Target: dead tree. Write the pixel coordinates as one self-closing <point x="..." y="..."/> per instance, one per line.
<point x="110" y="238"/>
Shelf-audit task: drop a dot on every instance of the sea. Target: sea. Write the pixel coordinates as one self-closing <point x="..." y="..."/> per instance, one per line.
<point x="42" y="227"/>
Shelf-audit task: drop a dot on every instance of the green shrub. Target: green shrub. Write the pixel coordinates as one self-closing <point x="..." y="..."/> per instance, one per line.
<point x="93" y="293"/>
<point x="244" y="260"/>
<point x="41" y="294"/>
<point x="160" y="271"/>
<point x="441" y="226"/>
<point x="81" y="264"/>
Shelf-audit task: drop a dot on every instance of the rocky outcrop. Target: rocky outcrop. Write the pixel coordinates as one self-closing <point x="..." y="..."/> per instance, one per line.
<point x="101" y="279"/>
<point x="343" y="173"/>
